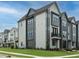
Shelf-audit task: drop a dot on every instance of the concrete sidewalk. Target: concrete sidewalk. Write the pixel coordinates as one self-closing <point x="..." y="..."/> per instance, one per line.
<point x="19" y="54"/>
<point x="66" y="56"/>
<point x="7" y="56"/>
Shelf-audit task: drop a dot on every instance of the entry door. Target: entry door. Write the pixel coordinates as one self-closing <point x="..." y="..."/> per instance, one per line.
<point x="64" y="44"/>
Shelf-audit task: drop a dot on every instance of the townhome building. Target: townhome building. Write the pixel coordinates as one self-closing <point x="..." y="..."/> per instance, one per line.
<point x="13" y="37"/>
<point x="72" y="28"/>
<point x="64" y="30"/>
<point x="47" y="28"/>
<point x="5" y="39"/>
<point x="40" y="28"/>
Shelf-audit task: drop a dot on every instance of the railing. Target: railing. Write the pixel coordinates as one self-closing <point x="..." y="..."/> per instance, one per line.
<point x="56" y="35"/>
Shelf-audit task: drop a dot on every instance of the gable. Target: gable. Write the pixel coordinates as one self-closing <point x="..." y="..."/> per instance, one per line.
<point x="30" y="12"/>
<point x="73" y="20"/>
<point x="54" y="8"/>
<point x="64" y="16"/>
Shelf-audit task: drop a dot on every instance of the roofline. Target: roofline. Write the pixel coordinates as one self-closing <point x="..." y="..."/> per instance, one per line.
<point x="40" y="10"/>
<point x="65" y="15"/>
<point x="27" y="17"/>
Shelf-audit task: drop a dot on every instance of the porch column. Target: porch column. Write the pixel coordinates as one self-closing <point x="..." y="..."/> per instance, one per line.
<point x="58" y="45"/>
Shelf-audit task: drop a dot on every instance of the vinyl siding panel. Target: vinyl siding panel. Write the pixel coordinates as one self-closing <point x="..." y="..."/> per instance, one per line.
<point x="41" y="30"/>
<point x="22" y="34"/>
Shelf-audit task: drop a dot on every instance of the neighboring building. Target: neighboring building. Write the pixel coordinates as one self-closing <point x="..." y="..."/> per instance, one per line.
<point x="77" y="36"/>
<point x="9" y="38"/>
<point x="1" y="39"/>
<point x="13" y="37"/>
<point x="5" y="40"/>
<point x="72" y="31"/>
<point x="47" y="28"/>
<point x="64" y="30"/>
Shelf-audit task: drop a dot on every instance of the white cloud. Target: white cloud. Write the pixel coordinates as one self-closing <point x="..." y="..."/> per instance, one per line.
<point x="8" y="10"/>
<point x="12" y="11"/>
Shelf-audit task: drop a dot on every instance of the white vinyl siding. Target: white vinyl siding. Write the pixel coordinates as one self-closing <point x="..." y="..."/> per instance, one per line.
<point x="41" y="30"/>
<point x="22" y="34"/>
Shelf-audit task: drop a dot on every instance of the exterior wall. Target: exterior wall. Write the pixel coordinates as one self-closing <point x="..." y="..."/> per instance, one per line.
<point x="41" y="30"/>
<point x="74" y="36"/>
<point x="22" y="34"/>
<point x="64" y="31"/>
<point x="69" y="42"/>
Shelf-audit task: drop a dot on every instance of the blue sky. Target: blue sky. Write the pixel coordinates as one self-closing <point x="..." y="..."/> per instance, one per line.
<point x="11" y="12"/>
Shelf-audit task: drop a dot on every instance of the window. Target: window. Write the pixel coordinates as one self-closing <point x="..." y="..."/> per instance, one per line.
<point x="54" y="31"/>
<point x="55" y="20"/>
<point x="30" y="29"/>
<point x="30" y="35"/>
<point x="64" y="34"/>
<point x="11" y="34"/>
<point x="64" y="23"/>
<point x="54" y="42"/>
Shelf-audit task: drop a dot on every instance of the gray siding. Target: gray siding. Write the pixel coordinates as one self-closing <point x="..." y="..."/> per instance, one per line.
<point x="31" y="33"/>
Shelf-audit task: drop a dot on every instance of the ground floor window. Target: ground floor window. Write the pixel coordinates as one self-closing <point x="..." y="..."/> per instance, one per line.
<point x="64" y="44"/>
<point x="21" y="43"/>
<point x="54" y="42"/>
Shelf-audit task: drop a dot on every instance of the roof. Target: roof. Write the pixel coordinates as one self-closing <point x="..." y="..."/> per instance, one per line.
<point x="77" y="22"/>
<point x="71" y="18"/>
<point x="42" y="9"/>
<point x="64" y="13"/>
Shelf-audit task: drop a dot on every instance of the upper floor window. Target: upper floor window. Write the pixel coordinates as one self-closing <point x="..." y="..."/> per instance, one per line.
<point x="54" y="31"/>
<point x="11" y="34"/>
<point x="64" y="23"/>
<point x="55" y="20"/>
<point x="74" y="29"/>
<point x="30" y="21"/>
<point x="30" y="35"/>
<point x="64" y="34"/>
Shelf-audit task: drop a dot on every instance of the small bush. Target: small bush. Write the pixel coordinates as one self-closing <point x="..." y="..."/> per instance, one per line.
<point x="12" y="47"/>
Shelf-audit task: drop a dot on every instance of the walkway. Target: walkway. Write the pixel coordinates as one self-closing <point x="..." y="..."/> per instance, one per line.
<point x="18" y="54"/>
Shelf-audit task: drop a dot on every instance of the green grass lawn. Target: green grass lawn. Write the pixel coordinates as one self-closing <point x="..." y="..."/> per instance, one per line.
<point x="44" y="53"/>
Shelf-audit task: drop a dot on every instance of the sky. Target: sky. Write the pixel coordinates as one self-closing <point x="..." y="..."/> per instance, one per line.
<point x="12" y="11"/>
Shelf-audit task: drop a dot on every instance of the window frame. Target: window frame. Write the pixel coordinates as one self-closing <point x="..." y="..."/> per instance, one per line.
<point x="54" y="42"/>
<point x="54" y="31"/>
<point x="52" y="13"/>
